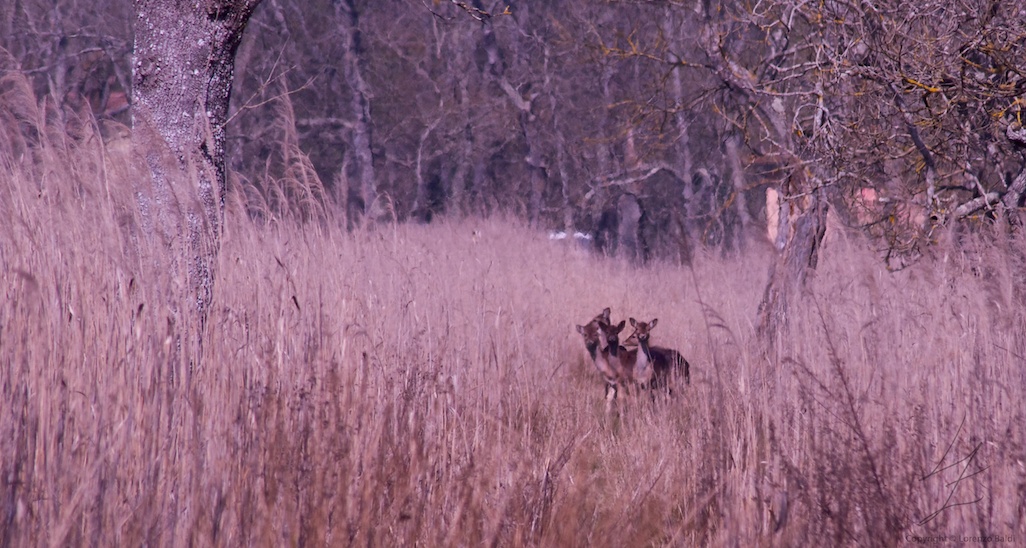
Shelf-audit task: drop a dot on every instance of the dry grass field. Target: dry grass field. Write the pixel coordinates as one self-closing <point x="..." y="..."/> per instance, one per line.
<point x="425" y="385"/>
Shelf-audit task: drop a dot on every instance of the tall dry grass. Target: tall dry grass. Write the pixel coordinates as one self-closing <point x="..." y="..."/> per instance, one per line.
<point x="425" y="385"/>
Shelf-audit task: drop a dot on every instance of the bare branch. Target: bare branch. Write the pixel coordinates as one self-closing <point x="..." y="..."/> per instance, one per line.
<point x="477" y="13"/>
<point x="976" y="204"/>
<point x="1015" y="190"/>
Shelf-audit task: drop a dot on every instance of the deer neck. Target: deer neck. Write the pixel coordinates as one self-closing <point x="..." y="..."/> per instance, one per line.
<point x="603" y="362"/>
<point x="643" y="364"/>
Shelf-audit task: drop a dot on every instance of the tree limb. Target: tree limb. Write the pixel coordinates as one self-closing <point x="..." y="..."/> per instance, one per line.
<point x="976" y="204"/>
<point x="1015" y="190"/>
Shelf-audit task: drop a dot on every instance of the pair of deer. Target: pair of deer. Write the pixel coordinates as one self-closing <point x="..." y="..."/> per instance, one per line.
<point x="645" y="366"/>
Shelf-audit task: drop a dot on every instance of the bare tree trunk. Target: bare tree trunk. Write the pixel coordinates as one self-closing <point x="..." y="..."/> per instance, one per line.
<point x="423" y="203"/>
<point x="363" y="157"/>
<point x="1010" y="201"/>
<point x="800" y="252"/>
<point x="629" y="230"/>
<point x="539" y="180"/>
<point x="462" y="181"/>
<point x="789" y="273"/>
<point x="467" y="191"/>
<point x="183" y="69"/>
<point x="182" y="80"/>
<point x="737" y="179"/>
<point x="530" y="127"/>
<point x="684" y="221"/>
<point x="567" y="213"/>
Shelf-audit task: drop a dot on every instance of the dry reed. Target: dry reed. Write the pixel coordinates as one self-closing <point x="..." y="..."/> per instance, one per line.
<point x="412" y="384"/>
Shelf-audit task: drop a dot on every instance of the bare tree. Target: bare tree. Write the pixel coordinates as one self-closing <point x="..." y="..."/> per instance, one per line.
<point x="347" y="13"/>
<point x="923" y="110"/>
<point x="559" y="109"/>
<point x="77" y="55"/>
<point x="906" y="116"/>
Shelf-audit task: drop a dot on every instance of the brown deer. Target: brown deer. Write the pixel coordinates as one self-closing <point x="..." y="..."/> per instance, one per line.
<point x="645" y="367"/>
<point x="594" y="333"/>
<point x="654" y="366"/>
<point x="621" y="360"/>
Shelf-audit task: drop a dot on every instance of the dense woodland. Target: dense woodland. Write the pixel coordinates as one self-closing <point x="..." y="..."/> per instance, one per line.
<point x="902" y="117"/>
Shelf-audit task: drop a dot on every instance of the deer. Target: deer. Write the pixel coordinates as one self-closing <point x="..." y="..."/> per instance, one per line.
<point x="594" y="333"/>
<point x="653" y="365"/>
<point x="630" y="366"/>
<point x="646" y="366"/>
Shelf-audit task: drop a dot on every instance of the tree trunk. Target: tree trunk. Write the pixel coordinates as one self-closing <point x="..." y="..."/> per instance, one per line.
<point x="182" y="75"/>
<point x="463" y="179"/>
<point x="629" y="213"/>
<point x="683" y="217"/>
<point x="349" y="22"/>
<point x="792" y="267"/>
<point x="737" y="182"/>
<point x="182" y="79"/>
<point x="424" y="202"/>
<point x="563" y="169"/>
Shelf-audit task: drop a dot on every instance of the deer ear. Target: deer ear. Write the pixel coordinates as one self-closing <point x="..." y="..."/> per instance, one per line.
<point x="634" y="323"/>
<point x="580" y="329"/>
<point x="619" y="327"/>
<point x="653" y="323"/>
<point x="606" y="312"/>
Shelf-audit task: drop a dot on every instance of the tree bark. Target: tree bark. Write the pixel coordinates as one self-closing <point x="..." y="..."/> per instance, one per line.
<point x="737" y="183"/>
<point x="685" y="217"/>
<point x="464" y="178"/>
<point x="349" y="21"/>
<point x="182" y="73"/>
<point x="1010" y="201"/>
<point x="792" y="267"/>
<point x="182" y="80"/>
